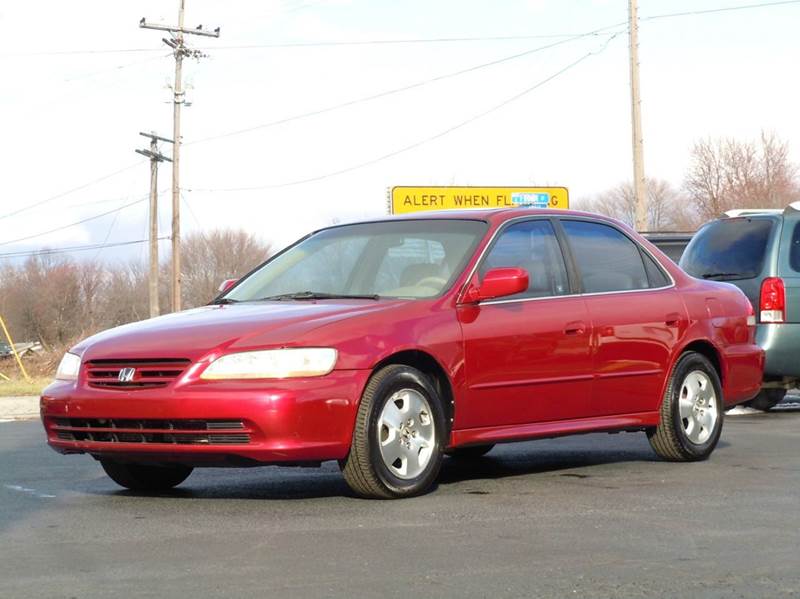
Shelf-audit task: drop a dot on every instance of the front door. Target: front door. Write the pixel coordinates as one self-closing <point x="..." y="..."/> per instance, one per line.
<point x="527" y="356"/>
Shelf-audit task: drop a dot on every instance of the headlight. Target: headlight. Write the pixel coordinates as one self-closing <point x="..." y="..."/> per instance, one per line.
<point x="273" y="364"/>
<point x="68" y="367"/>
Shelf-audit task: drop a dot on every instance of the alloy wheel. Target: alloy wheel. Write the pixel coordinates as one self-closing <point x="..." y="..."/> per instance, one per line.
<point x="698" y="407"/>
<point x="406" y="434"/>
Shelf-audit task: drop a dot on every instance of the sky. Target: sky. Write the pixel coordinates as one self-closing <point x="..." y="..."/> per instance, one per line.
<point x="532" y="102"/>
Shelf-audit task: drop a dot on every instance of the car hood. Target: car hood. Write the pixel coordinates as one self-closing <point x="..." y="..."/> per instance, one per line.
<point x="194" y="333"/>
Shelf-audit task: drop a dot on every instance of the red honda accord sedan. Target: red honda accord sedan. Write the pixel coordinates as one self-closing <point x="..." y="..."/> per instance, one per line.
<point x="387" y="345"/>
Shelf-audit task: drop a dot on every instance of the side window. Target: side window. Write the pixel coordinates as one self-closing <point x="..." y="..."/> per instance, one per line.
<point x="655" y="275"/>
<point x="531" y="245"/>
<point x="794" y="249"/>
<point x="607" y="259"/>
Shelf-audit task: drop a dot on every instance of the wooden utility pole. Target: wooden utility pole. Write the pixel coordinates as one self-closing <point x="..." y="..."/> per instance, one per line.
<point x="179" y="50"/>
<point x="155" y="157"/>
<point x="639" y="182"/>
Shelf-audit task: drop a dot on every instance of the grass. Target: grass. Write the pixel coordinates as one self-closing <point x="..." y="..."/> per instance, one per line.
<point x="19" y="386"/>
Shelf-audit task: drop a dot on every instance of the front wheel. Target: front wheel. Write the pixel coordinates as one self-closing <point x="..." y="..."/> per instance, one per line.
<point x="141" y="477"/>
<point x="767" y="399"/>
<point x="400" y="431"/>
<point x="691" y="411"/>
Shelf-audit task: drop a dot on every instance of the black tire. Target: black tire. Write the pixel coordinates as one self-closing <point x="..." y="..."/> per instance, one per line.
<point x="669" y="439"/>
<point x="146" y="478"/>
<point x="766" y="399"/>
<point x="471" y="452"/>
<point x="364" y="469"/>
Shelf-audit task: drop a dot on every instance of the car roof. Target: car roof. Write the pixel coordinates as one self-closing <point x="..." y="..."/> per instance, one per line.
<point x="493" y="216"/>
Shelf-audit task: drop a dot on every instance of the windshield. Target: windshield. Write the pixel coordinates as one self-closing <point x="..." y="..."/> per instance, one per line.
<point x="728" y="249"/>
<point x="405" y="258"/>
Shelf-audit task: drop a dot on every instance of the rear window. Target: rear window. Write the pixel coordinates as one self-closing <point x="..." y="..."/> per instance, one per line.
<point x="728" y="249"/>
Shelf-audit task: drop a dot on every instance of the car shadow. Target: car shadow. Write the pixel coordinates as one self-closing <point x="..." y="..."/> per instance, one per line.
<point x="574" y="458"/>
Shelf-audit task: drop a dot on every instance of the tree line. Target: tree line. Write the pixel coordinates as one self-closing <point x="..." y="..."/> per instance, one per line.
<point x="59" y="300"/>
<point x="723" y="174"/>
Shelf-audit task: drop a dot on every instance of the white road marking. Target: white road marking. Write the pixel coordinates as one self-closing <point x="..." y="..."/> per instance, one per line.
<point x="28" y="491"/>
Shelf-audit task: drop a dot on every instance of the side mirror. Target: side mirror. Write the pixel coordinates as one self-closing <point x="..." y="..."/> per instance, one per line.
<point x="499" y="282"/>
<point x="227" y="284"/>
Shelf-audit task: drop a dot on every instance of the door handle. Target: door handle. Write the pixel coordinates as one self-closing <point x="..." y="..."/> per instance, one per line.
<point x="577" y="327"/>
<point x="672" y="319"/>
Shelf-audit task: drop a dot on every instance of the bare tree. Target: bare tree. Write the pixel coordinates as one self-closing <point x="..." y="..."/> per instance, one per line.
<point x="728" y="173"/>
<point x="58" y="300"/>
<point x="667" y="208"/>
<point x="209" y="258"/>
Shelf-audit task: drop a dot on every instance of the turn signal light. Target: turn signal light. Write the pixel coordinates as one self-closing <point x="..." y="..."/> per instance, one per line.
<point x="772" y="306"/>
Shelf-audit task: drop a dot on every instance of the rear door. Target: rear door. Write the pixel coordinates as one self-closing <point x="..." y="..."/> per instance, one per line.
<point x="636" y="314"/>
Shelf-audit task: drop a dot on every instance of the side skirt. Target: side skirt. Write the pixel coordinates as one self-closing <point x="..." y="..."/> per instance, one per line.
<point x="558" y="428"/>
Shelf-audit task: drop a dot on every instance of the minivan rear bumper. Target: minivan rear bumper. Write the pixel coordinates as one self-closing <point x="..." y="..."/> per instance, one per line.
<point x="781" y="344"/>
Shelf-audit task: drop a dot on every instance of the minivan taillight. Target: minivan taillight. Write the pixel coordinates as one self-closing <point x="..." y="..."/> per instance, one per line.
<point x="772" y="306"/>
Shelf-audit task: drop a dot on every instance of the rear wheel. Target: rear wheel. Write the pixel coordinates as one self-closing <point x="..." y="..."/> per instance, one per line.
<point x="400" y="431"/>
<point x="471" y="452"/>
<point x="691" y="412"/>
<point x="140" y="477"/>
<point x="767" y="399"/>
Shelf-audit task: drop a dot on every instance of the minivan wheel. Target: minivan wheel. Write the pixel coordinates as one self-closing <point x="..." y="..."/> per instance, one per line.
<point x="399" y="434"/>
<point x="141" y="477"/>
<point x="766" y="399"/>
<point x="691" y="412"/>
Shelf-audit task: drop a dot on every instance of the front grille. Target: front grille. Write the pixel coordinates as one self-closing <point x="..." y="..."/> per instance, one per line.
<point x="170" y="432"/>
<point x="147" y="373"/>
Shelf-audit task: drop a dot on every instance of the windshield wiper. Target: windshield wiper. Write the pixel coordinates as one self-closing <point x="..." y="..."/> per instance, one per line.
<point x="718" y="275"/>
<point x="312" y="295"/>
<point x="223" y="301"/>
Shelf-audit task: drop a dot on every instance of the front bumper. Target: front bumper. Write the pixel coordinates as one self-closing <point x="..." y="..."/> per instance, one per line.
<point x="287" y="421"/>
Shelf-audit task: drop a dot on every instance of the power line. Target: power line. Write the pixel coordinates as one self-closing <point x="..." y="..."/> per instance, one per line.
<point x="379" y="42"/>
<point x="113" y="69"/>
<point x="691" y="13"/>
<point x="80" y="222"/>
<point x="75" y="248"/>
<point x="404" y="88"/>
<point x="427" y="139"/>
<point x="69" y="191"/>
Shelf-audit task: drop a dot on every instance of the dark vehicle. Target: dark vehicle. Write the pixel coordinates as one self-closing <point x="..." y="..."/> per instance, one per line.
<point x="671" y="243"/>
<point x="759" y="252"/>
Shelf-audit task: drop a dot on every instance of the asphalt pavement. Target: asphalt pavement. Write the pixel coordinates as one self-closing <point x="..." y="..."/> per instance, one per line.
<point x="588" y="516"/>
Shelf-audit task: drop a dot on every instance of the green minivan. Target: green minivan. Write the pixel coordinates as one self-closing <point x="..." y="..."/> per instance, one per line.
<point x="759" y="252"/>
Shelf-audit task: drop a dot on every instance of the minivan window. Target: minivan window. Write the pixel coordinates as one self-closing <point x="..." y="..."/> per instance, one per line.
<point x="794" y="249"/>
<point x="531" y="245"/>
<point x="607" y="259"/>
<point x="728" y="249"/>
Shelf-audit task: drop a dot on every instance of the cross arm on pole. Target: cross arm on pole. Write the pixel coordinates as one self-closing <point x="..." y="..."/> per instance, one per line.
<point x="153" y="155"/>
<point x="158" y="137"/>
<point x="173" y="29"/>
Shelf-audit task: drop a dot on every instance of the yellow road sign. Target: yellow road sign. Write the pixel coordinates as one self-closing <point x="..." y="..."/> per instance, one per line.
<point x="418" y="199"/>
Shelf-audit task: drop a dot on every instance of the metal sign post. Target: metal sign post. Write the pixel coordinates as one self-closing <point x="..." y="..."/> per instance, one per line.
<point x="13" y="349"/>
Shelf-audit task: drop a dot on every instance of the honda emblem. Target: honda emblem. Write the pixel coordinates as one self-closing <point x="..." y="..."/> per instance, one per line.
<point x="126" y="375"/>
